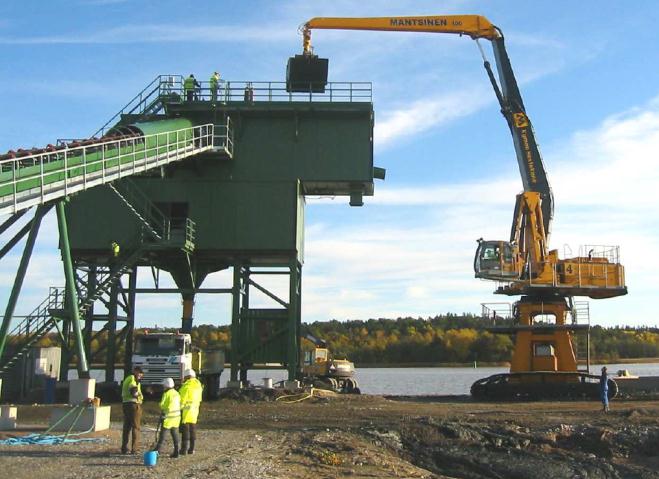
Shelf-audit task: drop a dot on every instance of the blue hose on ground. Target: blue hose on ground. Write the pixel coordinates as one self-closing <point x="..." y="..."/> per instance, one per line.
<point x="44" y="440"/>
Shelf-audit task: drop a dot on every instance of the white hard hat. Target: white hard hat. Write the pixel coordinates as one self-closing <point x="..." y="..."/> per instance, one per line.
<point x="168" y="383"/>
<point x="189" y="373"/>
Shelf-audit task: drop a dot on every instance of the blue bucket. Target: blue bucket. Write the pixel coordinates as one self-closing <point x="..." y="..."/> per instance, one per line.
<point x="150" y="458"/>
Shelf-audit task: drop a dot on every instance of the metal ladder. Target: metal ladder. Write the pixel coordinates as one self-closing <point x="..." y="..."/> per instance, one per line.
<point x="34" y="327"/>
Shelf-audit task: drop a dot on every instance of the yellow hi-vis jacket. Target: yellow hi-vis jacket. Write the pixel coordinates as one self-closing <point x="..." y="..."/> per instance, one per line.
<point x="191" y="392"/>
<point x="188" y="84"/>
<point x="170" y="408"/>
<point x="129" y="383"/>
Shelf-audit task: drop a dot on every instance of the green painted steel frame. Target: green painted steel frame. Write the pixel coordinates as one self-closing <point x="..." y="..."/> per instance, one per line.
<point x="280" y="344"/>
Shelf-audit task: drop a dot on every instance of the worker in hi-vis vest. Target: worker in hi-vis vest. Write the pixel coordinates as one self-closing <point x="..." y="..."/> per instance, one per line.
<point x="131" y="398"/>
<point x="170" y="415"/>
<point x="190" y="86"/>
<point x="116" y="249"/>
<point x="190" y="391"/>
<point x="215" y="84"/>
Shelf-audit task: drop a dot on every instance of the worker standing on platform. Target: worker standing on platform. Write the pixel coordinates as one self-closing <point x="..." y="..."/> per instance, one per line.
<point x="604" y="390"/>
<point x="191" y="392"/>
<point x="190" y="86"/>
<point x="170" y="415"/>
<point x="131" y="398"/>
<point x="215" y="84"/>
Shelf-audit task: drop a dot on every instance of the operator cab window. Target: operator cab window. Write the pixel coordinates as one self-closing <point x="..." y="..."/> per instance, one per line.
<point x="490" y="252"/>
<point x="543" y="350"/>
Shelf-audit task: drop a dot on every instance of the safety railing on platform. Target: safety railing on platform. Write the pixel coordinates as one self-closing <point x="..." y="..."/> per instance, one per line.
<point x="223" y="138"/>
<point x="269" y="91"/>
<point x="150" y="97"/>
<point x="50" y="174"/>
<point x="596" y="267"/>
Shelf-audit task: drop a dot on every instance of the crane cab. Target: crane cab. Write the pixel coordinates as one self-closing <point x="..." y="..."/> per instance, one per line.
<point x="495" y="260"/>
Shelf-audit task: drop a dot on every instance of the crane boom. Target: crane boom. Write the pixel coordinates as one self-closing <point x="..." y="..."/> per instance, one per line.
<point x="531" y="167"/>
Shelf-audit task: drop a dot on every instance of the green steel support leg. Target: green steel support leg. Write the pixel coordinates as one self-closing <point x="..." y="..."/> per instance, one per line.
<point x="89" y="315"/>
<point x="247" y="328"/>
<point x="130" y="326"/>
<point x="293" y="352"/>
<point x="111" y="353"/>
<point x="20" y="275"/>
<point x="235" y="321"/>
<point x="71" y="294"/>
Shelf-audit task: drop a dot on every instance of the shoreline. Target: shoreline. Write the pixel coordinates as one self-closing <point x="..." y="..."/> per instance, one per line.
<point x="485" y="364"/>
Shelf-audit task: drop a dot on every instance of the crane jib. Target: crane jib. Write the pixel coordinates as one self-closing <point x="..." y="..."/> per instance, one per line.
<point x="419" y="22"/>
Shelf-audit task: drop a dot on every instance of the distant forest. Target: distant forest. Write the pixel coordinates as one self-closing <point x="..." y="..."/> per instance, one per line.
<point x="448" y="338"/>
<point x="443" y="339"/>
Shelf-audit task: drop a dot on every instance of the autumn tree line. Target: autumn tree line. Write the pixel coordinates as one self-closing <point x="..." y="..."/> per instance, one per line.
<point x="445" y="339"/>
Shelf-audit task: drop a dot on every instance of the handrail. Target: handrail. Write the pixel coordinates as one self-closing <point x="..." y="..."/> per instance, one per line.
<point x="158" y="84"/>
<point x="41" y="313"/>
<point x="47" y="175"/>
<point x="269" y="91"/>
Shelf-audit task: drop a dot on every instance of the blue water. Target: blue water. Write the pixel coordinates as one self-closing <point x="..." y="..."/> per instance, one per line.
<point x="431" y="381"/>
<point x="413" y="381"/>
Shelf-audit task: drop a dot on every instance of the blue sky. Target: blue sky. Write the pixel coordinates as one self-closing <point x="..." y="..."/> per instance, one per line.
<point x="587" y="70"/>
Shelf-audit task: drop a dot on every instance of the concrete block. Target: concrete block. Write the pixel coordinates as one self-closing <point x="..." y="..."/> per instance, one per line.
<point x="92" y="418"/>
<point x="292" y="386"/>
<point x="81" y="390"/>
<point x="234" y="384"/>
<point x="8" y="416"/>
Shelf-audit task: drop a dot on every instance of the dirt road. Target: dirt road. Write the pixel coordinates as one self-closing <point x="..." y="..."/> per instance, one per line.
<point x="374" y="437"/>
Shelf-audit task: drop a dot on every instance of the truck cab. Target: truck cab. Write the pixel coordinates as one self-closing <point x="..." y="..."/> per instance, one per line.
<point x="162" y="355"/>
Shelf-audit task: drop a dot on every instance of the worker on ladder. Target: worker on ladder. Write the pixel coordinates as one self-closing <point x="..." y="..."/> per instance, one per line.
<point x="190" y="86"/>
<point x="191" y="392"/>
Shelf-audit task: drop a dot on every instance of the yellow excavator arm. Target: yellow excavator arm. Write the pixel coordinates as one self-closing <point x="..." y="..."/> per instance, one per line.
<point x="475" y="26"/>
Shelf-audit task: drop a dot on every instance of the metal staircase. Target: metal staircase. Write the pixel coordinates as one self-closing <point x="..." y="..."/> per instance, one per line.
<point x="149" y="101"/>
<point x="34" y="327"/>
<point x="142" y="208"/>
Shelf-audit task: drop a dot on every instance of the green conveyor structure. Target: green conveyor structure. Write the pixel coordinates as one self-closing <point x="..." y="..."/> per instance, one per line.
<point x="50" y="174"/>
<point x="174" y="203"/>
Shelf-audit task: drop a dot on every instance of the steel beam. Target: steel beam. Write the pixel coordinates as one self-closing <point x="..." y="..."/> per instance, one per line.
<point x="130" y="323"/>
<point x="235" y="320"/>
<point x="111" y="354"/>
<point x="11" y="220"/>
<point x="184" y="291"/>
<point x="294" y="318"/>
<point x="17" y="237"/>
<point x="20" y="274"/>
<point x="71" y="294"/>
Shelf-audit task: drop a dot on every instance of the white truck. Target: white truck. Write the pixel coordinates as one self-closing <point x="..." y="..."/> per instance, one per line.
<point x="168" y="355"/>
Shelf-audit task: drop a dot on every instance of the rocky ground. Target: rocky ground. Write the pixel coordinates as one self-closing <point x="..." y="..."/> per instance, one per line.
<point x="373" y="437"/>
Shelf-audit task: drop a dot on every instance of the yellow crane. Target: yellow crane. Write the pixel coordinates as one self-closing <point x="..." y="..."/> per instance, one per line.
<point x="544" y="362"/>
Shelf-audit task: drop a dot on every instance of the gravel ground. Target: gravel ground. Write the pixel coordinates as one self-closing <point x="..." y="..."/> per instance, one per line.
<point x="372" y="437"/>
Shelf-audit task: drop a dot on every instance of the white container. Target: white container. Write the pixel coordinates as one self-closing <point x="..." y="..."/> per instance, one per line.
<point x="8" y="416"/>
<point x="81" y="390"/>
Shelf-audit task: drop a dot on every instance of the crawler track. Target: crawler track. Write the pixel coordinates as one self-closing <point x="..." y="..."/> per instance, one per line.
<point x="538" y="386"/>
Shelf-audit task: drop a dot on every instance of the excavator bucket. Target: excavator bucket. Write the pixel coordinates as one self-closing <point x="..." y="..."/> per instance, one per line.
<point x="306" y="74"/>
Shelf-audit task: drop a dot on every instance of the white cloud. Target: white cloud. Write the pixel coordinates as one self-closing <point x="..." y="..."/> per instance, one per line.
<point x="159" y="33"/>
<point x="605" y="181"/>
<point x="427" y="113"/>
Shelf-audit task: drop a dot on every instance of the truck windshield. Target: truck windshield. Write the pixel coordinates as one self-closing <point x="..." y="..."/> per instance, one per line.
<point x="154" y="346"/>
